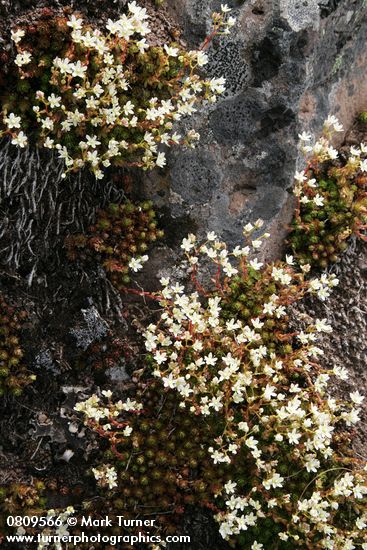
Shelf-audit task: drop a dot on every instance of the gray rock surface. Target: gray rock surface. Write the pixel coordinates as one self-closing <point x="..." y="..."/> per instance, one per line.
<point x="346" y="346"/>
<point x="288" y="65"/>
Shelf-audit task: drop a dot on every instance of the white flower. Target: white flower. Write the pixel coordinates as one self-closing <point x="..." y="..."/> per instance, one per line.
<point x="332" y="153"/>
<point x="300" y="176"/>
<point x="363" y="165"/>
<point x="226" y="530"/>
<point x="172" y="52"/>
<point x="229" y="270"/>
<point x="304" y="136"/>
<point x="351" y="417"/>
<point x="142" y="45"/>
<point x="356" y="397"/>
<point x="49" y="143"/>
<point x="92" y="141"/>
<point x="257" y="243"/>
<point x="48" y="123"/>
<point x="137" y="263"/>
<point x="322" y="326"/>
<point x="54" y="100"/>
<point x="217" y="85"/>
<point x="202" y="59"/>
<point x="312" y="183"/>
<point x="340" y="372"/>
<point x="355" y="151"/>
<point x="248" y="228"/>
<point x="361" y="524"/>
<point x="161" y="160"/>
<point x="243" y="426"/>
<point x="318" y="200"/>
<point x="160" y="358"/>
<point x="257" y="323"/>
<point x="312" y="463"/>
<point x="269" y="392"/>
<point x="230" y="487"/>
<point x="332" y="121"/>
<point x="17" y="35"/>
<point x="275" y="481"/>
<point x="293" y="437"/>
<point x="23" y="59"/>
<point x="255" y="264"/>
<point x="78" y="69"/>
<point x="21" y="140"/>
<point x="127" y="431"/>
<point x="224" y="8"/>
<point x="113" y="26"/>
<point x="106" y="475"/>
<point x="12" y="121"/>
<point x="231" y="21"/>
<point x="92" y="157"/>
<point x="75" y="23"/>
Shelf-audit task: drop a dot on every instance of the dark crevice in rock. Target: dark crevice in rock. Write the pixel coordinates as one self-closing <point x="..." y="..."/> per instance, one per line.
<point x="175" y="229"/>
<point x="328" y="6"/>
<point x="275" y="119"/>
<point x="266" y="59"/>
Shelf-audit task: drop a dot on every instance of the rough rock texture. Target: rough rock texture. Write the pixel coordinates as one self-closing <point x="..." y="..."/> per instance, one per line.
<point x="288" y="65"/>
<point x="346" y="312"/>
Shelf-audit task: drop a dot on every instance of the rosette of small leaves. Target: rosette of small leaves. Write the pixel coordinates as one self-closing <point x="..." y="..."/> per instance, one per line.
<point x="113" y="98"/>
<point x="332" y="200"/>
<point x="25" y="499"/>
<point x="17" y="496"/>
<point x="13" y="373"/>
<point x="245" y="299"/>
<point x="105" y="354"/>
<point x="118" y="240"/>
<point x="158" y="459"/>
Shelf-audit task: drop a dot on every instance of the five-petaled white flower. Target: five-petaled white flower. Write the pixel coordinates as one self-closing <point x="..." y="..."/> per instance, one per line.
<point x="17" y="35"/>
<point x="20" y="139"/>
<point x="172" y="52"/>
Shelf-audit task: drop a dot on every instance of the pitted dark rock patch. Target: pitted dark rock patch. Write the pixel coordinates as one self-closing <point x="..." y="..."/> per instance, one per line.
<point x="229" y="59"/>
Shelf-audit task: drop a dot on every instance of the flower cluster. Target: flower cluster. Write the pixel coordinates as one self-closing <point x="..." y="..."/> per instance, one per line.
<point x="118" y="239"/>
<point x="106" y="476"/>
<point x="260" y="380"/>
<point x="13" y="373"/>
<point x="59" y="521"/>
<point x="332" y="200"/>
<point x="317" y="520"/>
<point x="111" y="98"/>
